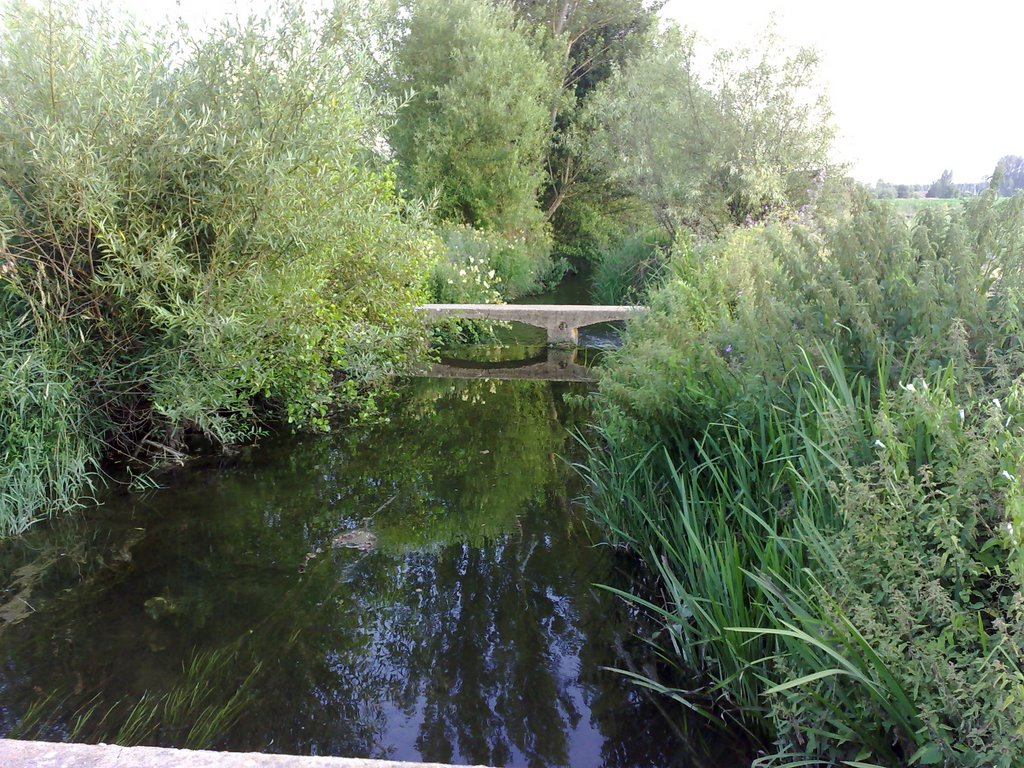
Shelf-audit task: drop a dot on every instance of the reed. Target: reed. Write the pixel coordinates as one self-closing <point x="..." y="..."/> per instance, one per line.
<point x="760" y="534"/>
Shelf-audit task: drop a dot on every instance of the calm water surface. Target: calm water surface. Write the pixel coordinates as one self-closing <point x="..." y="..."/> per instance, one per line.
<point x="226" y="609"/>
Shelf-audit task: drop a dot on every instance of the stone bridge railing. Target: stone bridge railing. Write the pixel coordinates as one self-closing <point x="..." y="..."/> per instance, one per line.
<point x="561" y="321"/>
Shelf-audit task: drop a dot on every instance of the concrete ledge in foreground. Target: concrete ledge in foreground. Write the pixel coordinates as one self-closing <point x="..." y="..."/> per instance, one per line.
<point x="44" y="754"/>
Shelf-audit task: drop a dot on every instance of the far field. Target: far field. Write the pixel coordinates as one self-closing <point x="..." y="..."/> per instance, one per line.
<point x="911" y="205"/>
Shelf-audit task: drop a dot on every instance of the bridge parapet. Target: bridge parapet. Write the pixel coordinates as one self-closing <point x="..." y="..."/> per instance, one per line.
<point x="561" y="321"/>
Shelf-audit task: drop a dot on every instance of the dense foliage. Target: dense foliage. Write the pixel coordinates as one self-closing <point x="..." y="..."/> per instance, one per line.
<point x="626" y="271"/>
<point x="748" y="142"/>
<point x="814" y="440"/>
<point x="472" y="133"/>
<point x="195" y="235"/>
<point x="1008" y="176"/>
<point x="585" y="40"/>
<point x="477" y="90"/>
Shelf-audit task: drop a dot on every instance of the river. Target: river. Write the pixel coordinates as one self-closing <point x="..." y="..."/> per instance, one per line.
<point x="418" y="588"/>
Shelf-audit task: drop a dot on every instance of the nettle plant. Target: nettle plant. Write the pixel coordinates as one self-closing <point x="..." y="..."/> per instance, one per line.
<point x="814" y="439"/>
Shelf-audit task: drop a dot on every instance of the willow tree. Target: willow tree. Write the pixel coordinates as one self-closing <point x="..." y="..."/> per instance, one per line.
<point x="585" y="41"/>
<point x="745" y="140"/>
<point x="473" y="131"/>
<point x="193" y="236"/>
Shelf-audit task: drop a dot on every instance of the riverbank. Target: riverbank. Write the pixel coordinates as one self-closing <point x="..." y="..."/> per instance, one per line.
<point x="815" y="440"/>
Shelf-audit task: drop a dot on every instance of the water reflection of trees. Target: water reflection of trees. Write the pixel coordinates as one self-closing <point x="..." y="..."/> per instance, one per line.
<point x="471" y="634"/>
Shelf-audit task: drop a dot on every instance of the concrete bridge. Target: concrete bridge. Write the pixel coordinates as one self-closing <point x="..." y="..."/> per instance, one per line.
<point x="561" y="321"/>
<point x="557" y="364"/>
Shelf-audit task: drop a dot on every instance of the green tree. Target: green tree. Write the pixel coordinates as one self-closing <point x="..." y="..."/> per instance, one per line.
<point x="884" y="190"/>
<point x="473" y="131"/>
<point x="943" y="187"/>
<point x="1009" y="175"/>
<point x="749" y="142"/>
<point x="194" y="235"/>
<point x="585" y="42"/>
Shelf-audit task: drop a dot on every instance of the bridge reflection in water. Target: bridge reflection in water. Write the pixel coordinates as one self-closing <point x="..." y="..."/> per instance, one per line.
<point x="554" y="364"/>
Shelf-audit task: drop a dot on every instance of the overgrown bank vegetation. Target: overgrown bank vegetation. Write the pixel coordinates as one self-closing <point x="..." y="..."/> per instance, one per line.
<point x="815" y="440"/>
<point x="196" y="236"/>
<point x="200" y="233"/>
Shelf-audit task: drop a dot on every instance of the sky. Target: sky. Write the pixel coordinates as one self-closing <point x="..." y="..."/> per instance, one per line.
<point x="916" y="86"/>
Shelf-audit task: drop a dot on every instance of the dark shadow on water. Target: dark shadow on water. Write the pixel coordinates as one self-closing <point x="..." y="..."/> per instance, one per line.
<point x="416" y="589"/>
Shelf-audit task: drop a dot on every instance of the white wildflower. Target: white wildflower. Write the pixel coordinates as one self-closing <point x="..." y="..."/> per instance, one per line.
<point x="1007" y="475"/>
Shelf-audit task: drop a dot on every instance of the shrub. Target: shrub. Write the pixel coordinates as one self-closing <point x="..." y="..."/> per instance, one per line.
<point x="195" y="227"/>
<point x="814" y="441"/>
<point x="728" y="326"/>
<point x="483" y="267"/>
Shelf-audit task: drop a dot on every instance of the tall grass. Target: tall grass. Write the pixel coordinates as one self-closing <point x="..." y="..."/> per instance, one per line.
<point x="759" y="538"/>
<point x="197" y="712"/>
<point x="48" y="434"/>
<point x="703" y="522"/>
<point x="626" y="271"/>
<point x="813" y="440"/>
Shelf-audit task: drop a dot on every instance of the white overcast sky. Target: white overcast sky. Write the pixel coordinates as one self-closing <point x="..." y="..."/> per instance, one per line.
<point x="917" y="86"/>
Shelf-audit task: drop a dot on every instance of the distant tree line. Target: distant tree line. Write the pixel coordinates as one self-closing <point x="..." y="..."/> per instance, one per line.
<point x="1007" y="179"/>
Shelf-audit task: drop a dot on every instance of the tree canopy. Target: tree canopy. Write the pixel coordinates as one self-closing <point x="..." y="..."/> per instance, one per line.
<point x="749" y="141"/>
<point x="943" y="186"/>
<point x="473" y="131"/>
<point x="585" y="42"/>
<point x="1009" y="175"/>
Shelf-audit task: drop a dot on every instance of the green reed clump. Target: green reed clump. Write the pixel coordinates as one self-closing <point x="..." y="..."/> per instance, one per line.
<point x="212" y="694"/>
<point x="48" y="436"/>
<point x="838" y="544"/>
<point x="194" y="235"/>
<point x="845" y="570"/>
<point x="626" y="272"/>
